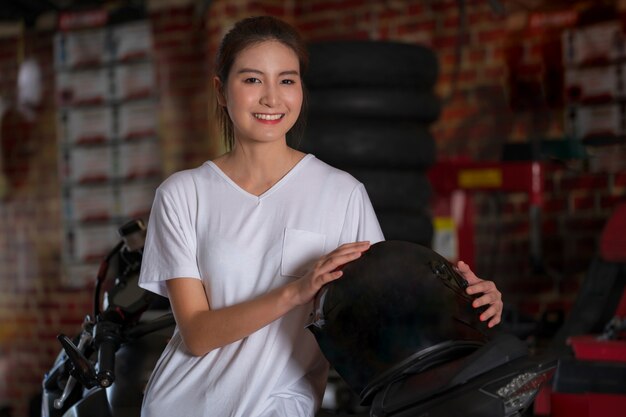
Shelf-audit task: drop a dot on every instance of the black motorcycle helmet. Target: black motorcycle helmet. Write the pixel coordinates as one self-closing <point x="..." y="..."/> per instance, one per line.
<point x="400" y="308"/>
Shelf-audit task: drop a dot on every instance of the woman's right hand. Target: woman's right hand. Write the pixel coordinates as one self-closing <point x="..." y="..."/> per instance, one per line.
<point x="325" y="270"/>
<point x="204" y="329"/>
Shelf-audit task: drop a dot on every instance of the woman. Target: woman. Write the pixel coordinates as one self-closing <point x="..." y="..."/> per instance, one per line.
<point x="242" y="244"/>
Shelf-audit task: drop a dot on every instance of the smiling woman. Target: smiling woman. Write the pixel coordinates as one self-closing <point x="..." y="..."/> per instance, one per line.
<point x="263" y="88"/>
<point x="242" y="244"/>
<point x="256" y="31"/>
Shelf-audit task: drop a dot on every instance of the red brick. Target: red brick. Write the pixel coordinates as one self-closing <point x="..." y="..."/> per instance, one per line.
<point x="384" y="34"/>
<point x="494" y="74"/>
<point x="452" y="22"/>
<point x="231" y="10"/>
<point x="172" y="12"/>
<point x="447" y="59"/>
<point x="445" y="6"/>
<point x="416" y="9"/>
<point x="526" y="71"/>
<point x="390" y="14"/>
<point x="316" y="25"/>
<point x="495" y="35"/>
<point x="475" y="18"/>
<point x="466" y="76"/>
<point x="450" y="113"/>
<point x="323" y="36"/>
<point x="173" y="26"/>
<point x="172" y="41"/>
<point x="336" y="5"/>
<point x="476" y="55"/>
<point x="450" y="41"/>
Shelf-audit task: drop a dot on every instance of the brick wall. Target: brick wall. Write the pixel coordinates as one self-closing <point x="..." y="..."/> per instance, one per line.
<point x="34" y="306"/>
<point x="486" y="103"/>
<point x="576" y="206"/>
<point x="180" y="40"/>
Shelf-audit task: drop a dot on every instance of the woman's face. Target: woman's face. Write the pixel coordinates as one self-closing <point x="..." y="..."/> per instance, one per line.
<point x="263" y="93"/>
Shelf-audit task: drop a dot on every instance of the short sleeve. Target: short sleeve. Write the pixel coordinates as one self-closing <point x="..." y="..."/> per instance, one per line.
<point x="360" y="223"/>
<point x="170" y="248"/>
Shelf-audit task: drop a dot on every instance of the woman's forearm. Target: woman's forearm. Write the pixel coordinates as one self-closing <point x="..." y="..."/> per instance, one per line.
<point x="204" y="329"/>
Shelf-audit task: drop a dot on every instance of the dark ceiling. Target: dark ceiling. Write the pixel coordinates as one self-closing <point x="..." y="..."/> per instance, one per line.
<point x="28" y="10"/>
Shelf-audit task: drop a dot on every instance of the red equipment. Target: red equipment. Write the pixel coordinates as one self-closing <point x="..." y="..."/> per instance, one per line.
<point x="455" y="182"/>
<point x="591" y="377"/>
<point x="593" y="382"/>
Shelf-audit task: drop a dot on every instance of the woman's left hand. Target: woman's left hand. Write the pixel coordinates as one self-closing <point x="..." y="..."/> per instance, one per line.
<point x="490" y="295"/>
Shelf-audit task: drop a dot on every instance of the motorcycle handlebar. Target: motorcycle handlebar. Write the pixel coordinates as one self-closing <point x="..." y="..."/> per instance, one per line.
<point x="107" y="338"/>
<point x="106" y="363"/>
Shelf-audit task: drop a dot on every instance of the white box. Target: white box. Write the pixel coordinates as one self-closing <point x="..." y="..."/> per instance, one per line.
<point x="89" y="203"/>
<point x="138" y="120"/>
<point x="89" y="125"/>
<point x="90" y="164"/>
<point x="83" y="87"/>
<point x="600" y="43"/>
<point x="82" y="48"/>
<point x="595" y="84"/>
<point x="132" y="41"/>
<point x="136" y="199"/>
<point x="93" y="242"/>
<point x="139" y="159"/>
<point x="133" y="81"/>
<point x="599" y="121"/>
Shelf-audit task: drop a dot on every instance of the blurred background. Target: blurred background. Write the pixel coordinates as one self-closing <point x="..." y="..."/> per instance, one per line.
<point x="492" y="130"/>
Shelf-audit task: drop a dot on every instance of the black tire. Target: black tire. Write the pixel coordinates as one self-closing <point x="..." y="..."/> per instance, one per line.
<point x="395" y="190"/>
<point x="370" y="143"/>
<point x="414" y="227"/>
<point x="370" y="63"/>
<point x="423" y="107"/>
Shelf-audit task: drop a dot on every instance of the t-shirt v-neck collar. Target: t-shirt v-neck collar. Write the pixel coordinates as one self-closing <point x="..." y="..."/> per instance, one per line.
<point x="270" y="190"/>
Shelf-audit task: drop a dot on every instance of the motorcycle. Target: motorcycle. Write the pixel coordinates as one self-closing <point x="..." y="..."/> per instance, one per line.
<point x="403" y="356"/>
<point x="401" y="331"/>
<point x="102" y="371"/>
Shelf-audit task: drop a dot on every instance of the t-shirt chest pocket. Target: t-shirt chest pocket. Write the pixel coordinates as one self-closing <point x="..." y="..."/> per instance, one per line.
<point x="301" y="248"/>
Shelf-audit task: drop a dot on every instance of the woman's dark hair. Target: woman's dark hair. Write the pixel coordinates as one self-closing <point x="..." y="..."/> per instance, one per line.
<point x="248" y="32"/>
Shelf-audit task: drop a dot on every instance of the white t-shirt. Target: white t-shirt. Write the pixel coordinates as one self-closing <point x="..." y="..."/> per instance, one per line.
<point x="203" y="225"/>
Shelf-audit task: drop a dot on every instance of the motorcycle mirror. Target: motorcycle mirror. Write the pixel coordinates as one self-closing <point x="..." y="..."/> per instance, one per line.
<point x="134" y="234"/>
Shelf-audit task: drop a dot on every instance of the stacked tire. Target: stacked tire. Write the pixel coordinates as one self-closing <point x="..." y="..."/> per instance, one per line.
<point x="371" y="105"/>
